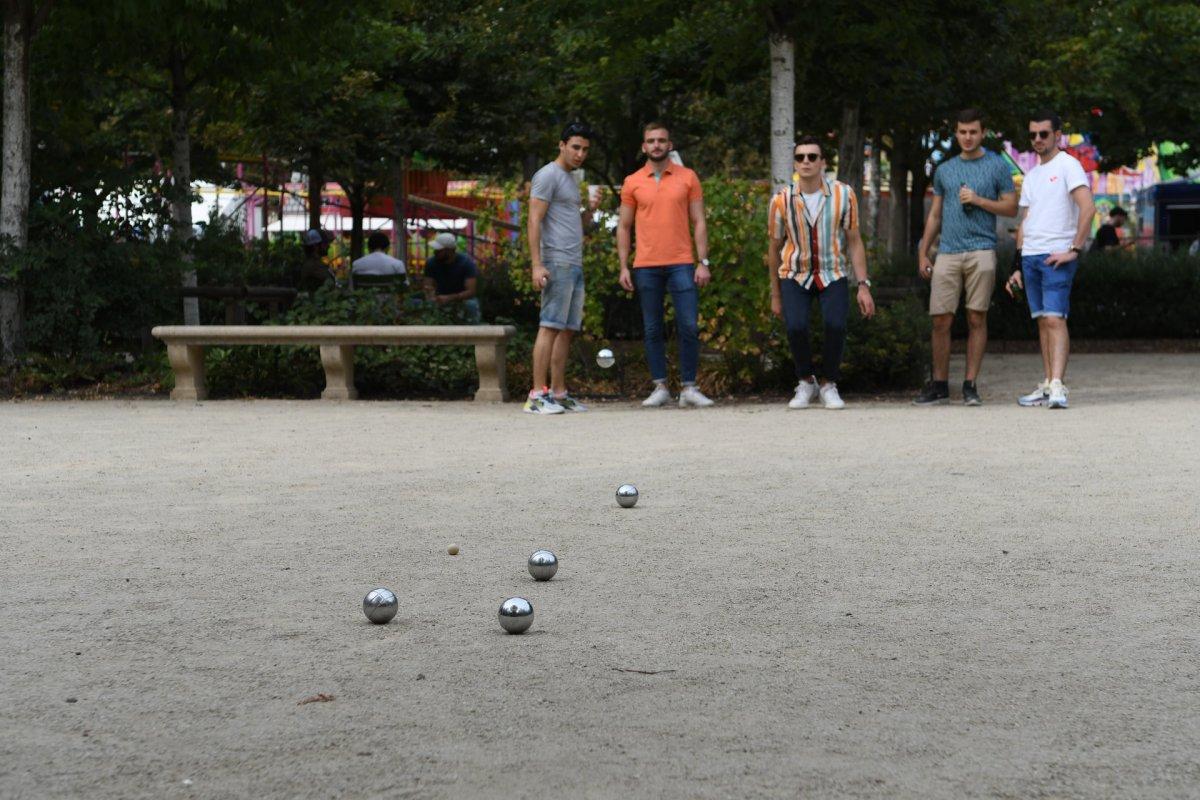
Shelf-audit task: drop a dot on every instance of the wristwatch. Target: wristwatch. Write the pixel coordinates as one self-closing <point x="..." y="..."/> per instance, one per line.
<point x="1077" y="250"/>
<point x="865" y="282"/>
<point x="704" y="262"/>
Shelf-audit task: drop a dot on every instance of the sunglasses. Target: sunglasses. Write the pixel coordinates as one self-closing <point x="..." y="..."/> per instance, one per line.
<point x="808" y="156"/>
<point x="1035" y="135"/>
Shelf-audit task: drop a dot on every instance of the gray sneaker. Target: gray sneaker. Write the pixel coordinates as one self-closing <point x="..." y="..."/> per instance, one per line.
<point x="1037" y="397"/>
<point x="542" y="404"/>
<point x="1058" y="395"/>
<point x="570" y="403"/>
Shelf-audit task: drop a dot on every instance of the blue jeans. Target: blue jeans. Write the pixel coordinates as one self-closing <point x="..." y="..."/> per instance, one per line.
<point x="652" y="284"/>
<point x="835" y="308"/>
<point x="1047" y="287"/>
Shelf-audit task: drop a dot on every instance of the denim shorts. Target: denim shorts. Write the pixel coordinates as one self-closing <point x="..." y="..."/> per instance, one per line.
<point x="562" y="298"/>
<point x="1048" y="287"/>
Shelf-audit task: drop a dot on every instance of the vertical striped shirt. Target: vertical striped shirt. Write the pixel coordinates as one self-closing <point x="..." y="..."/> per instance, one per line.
<point x="814" y="247"/>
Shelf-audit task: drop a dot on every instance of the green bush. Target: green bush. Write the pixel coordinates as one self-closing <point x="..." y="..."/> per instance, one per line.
<point x="393" y="372"/>
<point x="93" y="287"/>
<point x="1115" y="296"/>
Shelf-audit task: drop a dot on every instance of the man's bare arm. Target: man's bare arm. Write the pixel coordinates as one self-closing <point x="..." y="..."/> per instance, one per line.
<point x="1006" y="206"/>
<point x="624" y="235"/>
<point x="933" y="226"/>
<point x="1082" y="196"/>
<point x="699" y="228"/>
<point x="537" y="213"/>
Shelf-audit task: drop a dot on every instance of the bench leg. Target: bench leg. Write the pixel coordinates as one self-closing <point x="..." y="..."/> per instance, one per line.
<point x="338" y="361"/>
<point x="187" y="360"/>
<point x="490" y="360"/>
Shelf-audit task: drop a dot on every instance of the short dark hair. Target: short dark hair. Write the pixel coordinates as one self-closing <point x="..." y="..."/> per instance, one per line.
<point x="969" y="115"/>
<point x="809" y="140"/>
<point x="1046" y="115"/>
<point x="655" y="125"/>
<point x="575" y="129"/>
<point x="378" y="241"/>
<point x="1117" y="210"/>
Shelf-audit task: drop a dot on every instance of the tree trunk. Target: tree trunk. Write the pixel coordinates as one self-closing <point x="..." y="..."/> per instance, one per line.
<point x="916" y="203"/>
<point x="852" y="137"/>
<point x="266" y="213"/>
<point x="356" y="194"/>
<point x="399" y="209"/>
<point x="181" y="176"/>
<point x="316" y="183"/>
<point x="14" y="174"/>
<point x="871" y="217"/>
<point x="783" y="107"/>
<point x="898" y="194"/>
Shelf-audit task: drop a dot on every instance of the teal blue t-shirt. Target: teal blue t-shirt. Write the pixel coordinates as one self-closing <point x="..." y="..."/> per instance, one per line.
<point x="970" y="228"/>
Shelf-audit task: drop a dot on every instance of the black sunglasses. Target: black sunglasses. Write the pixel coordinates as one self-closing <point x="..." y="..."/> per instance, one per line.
<point x="1033" y="135"/>
<point x="808" y="156"/>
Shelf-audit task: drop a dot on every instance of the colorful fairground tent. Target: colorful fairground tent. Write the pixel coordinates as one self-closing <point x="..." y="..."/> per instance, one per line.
<point x="433" y="202"/>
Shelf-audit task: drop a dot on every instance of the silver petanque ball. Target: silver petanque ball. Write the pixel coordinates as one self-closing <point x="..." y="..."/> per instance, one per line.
<point x="605" y="358"/>
<point x="627" y="495"/>
<point x="380" y="606"/>
<point x="542" y="565"/>
<point x="516" y="615"/>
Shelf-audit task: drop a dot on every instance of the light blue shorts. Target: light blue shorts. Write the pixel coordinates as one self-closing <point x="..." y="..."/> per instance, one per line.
<point x="1048" y="287"/>
<point x="562" y="298"/>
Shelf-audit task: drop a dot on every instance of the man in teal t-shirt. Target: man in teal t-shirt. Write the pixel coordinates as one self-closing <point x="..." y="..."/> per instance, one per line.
<point x="969" y="192"/>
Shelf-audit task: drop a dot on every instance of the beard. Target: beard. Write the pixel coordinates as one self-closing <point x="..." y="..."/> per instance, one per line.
<point x="660" y="159"/>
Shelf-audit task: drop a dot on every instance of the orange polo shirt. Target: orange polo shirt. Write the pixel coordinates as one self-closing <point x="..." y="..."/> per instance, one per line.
<point x="661" y="230"/>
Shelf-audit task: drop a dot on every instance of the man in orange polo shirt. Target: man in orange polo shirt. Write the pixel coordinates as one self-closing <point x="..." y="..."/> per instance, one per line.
<point x="659" y="200"/>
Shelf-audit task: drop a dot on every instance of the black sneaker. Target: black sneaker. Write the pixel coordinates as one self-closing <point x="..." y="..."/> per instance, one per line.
<point x="971" y="394"/>
<point x="934" y="393"/>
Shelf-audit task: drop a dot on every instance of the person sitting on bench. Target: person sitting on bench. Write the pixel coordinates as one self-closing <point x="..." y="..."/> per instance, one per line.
<point x="450" y="276"/>
<point x="377" y="261"/>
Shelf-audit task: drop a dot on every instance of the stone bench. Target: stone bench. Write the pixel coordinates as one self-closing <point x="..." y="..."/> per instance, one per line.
<point x="186" y="343"/>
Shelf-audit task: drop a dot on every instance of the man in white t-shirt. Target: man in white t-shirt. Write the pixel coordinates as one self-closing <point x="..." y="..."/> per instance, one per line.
<point x="377" y="261"/>
<point x="1058" y="215"/>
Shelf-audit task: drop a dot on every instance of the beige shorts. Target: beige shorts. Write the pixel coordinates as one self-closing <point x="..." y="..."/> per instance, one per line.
<point x="975" y="268"/>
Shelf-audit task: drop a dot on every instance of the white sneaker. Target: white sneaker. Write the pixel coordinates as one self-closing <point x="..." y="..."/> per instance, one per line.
<point x="542" y="404"/>
<point x="1058" y="395"/>
<point x="806" y="392"/>
<point x="659" y="397"/>
<point x="691" y="396"/>
<point x="830" y="397"/>
<point x="1037" y="397"/>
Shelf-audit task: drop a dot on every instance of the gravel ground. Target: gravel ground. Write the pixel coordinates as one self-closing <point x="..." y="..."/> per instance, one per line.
<point x="884" y="602"/>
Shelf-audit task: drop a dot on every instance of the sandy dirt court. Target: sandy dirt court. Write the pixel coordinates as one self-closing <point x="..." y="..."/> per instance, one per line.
<point x="886" y="601"/>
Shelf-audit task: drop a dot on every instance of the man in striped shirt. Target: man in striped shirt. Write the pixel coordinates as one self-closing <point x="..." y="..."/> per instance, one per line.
<point x="813" y="226"/>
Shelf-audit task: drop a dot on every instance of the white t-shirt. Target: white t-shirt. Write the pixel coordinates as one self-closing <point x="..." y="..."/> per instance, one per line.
<point x="377" y="263"/>
<point x="812" y="204"/>
<point x="1053" y="217"/>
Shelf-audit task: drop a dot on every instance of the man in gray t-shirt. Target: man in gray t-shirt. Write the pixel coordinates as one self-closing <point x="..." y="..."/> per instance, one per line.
<point x="556" y="250"/>
<point x="562" y="227"/>
<point x="969" y="192"/>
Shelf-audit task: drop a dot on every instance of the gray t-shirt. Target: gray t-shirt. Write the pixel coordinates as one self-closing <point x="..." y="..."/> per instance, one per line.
<point x="966" y="228"/>
<point x="562" y="227"/>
